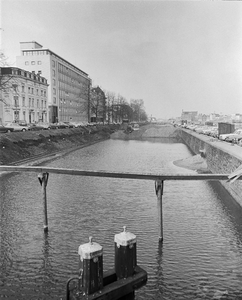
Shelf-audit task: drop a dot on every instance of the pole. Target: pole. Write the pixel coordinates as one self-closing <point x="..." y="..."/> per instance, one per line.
<point x="43" y="179"/>
<point x="159" y="185"/>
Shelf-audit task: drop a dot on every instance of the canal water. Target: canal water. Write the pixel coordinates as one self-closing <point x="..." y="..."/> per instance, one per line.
<point x="200" y="258"/>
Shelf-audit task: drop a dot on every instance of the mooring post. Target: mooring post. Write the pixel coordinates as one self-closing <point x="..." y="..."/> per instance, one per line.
<point x="125" y="254"/>
<point x="91" y="267"/>
<point x="43" y="179"/>
<point x="159" y="185"/>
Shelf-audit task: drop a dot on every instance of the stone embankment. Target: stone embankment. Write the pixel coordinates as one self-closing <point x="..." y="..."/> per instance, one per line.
<point x="16" y="146"/>
<point x="221" y="157"/>
<point x="147" y="131"/>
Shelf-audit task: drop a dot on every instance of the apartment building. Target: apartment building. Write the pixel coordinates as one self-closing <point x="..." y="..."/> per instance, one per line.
<point x="24" y="96"/>
<point x="69" y="87"/>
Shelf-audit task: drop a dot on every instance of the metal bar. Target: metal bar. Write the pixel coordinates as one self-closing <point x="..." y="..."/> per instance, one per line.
<point x="115" y="174"/>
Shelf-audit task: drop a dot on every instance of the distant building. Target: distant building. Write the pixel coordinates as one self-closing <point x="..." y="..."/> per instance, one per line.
<point x="97" y="105"/>
<point x="24" y="96"/>
<point x="69" y="87"/>
<point x="189" y="116"/>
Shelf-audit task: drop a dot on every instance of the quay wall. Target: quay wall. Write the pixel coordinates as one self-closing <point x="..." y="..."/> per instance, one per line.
<point x="221" y="157"/>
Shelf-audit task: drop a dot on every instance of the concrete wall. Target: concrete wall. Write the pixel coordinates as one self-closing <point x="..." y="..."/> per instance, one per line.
<point x="221" y="158"/>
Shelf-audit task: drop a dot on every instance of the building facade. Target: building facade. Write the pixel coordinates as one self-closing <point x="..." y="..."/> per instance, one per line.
<point x="24" y="96"/>
<point x="69" y="87"/>
<point x="97" y="105"/>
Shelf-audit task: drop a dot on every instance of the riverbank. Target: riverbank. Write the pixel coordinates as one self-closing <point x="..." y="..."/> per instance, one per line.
<point x="16" y="146"/>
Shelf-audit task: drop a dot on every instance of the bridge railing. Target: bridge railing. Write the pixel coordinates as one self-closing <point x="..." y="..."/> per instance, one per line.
<point x="43" y="175"/>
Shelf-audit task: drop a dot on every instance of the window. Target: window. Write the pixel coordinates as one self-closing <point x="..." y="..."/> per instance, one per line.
<point x="24" y="115"/>
<point x="42" y="104"/>
<point x="54" y="82"/>
<point x="33" y="102"/>
<point x="23" y="101"/>
<point x="32" y="62"/>
<point x="45" y="104"/>
<point x="26" y="63"/>
<point x="39" y="62"/>
<point x="54" y="100"/>
<point x="15" y="101"/>
<point x="29" y="90"/>
<point x="45" y="93"/>
<point x="54" y="91"/>
<point x="41" y="92"/>
<point x="29" y="102"/>
<point x="53" y="63"/>
<point x="38" y="103"/>
<point x="37" y="92"/>
<point x="23" y="90"/>
<point x="32" y="90"/>
<point x="53" y="72"/>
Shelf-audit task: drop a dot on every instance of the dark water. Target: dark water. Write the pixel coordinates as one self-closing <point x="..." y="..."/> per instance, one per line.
<point x="201" y="256"/>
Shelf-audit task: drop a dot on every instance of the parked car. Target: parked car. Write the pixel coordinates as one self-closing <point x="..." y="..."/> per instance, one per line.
<point x="4" y="129"/>
<point x="17" y="127"/>
<point x="35" y="127"/>
<point x="62" y="125"/>
<point x="230" y="136"/>
<point x="135" y="126"/>
<point x="53" y="126"/>
<point x="44" y="125"/>
<point x="22" y="123"/>
<point x="69" y="124"/>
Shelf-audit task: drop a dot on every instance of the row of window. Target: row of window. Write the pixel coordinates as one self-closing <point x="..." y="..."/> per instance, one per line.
<point x="31" y="91"/>
<point x="29" y="75"/>
<point x="32" y="62"/>
<point x="39" y="104"/>
<point x="38" y="52"/>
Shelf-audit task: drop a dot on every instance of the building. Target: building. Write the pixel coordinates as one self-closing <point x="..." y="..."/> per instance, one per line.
<point x="97" y="105"/>
<point x="189" y="116"/>
<point x="69" y="87"/>
<point x="24" y="96"/>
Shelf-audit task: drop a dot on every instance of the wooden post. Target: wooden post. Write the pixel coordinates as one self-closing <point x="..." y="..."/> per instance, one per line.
<point x="43" y="179"/>
<point x="159" y="185"/>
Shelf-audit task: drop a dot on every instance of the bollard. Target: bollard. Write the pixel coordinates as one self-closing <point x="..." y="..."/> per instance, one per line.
<point x="91" y="267"/>
<point x="125" y="254"/>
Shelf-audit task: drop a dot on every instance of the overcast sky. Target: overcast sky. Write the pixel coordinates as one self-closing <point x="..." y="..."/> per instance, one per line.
<point x="175" y="55"/>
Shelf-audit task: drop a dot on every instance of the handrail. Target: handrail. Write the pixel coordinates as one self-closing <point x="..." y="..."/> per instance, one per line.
<point x="147" y="176"/>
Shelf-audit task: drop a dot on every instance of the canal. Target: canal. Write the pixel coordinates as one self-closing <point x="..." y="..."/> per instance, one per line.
<point x="200" y="258"/>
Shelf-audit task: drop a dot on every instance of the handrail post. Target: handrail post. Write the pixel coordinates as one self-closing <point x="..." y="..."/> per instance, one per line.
<point x="43" y="179"/>
<point x="159" y="185"/>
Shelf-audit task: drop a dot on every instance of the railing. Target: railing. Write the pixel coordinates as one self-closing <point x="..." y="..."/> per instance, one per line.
<point x="158" y="178"/>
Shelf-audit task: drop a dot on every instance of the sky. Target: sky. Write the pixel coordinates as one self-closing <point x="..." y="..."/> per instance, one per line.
<point x="175" y="55"/>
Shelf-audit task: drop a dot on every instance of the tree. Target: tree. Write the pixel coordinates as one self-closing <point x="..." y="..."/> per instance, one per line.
<point x="8" y="82"/>
<point x="137" y="106"/>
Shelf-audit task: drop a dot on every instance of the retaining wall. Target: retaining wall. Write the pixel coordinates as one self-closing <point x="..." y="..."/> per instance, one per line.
<point x="221" y="158"/>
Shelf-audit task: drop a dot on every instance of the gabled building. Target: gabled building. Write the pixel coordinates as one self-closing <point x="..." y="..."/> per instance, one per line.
<point x="24" y="96"/>
<point x="69" y="86"/>
<point x="97" y="105"/>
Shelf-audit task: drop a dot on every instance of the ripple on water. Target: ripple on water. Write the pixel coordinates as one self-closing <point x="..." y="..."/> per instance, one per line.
<point x="200" y="258"/>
